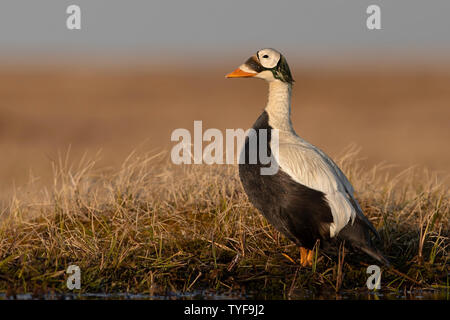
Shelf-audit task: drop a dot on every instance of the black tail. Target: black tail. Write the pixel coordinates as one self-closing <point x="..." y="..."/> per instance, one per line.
<point x="376" y="254"/>
<point x="358" y="236"/>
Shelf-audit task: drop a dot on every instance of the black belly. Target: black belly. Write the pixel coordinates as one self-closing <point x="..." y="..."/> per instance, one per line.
<point x="300" y="213"/>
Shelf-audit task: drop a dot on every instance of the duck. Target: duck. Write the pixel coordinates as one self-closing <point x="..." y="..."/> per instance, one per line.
<point x="308" y="199"/>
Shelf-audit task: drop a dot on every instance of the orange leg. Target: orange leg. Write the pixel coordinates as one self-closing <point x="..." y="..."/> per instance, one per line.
<point x="306" y="257"/>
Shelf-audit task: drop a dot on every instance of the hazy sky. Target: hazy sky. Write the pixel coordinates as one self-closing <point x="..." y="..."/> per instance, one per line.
<point x="208" y="27"/>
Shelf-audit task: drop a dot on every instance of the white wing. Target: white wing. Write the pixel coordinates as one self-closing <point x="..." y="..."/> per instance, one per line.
<point x="310" y="167"/>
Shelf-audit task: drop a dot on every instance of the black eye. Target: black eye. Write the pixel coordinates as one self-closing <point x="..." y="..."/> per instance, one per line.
<point x="265" y="56"/>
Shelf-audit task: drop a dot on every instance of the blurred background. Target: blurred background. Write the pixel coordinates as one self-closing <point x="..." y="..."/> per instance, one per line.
<point x="137" y="70"/>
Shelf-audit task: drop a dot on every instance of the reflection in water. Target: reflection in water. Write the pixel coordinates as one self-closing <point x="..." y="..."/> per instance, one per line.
<point x="207" y="295"/>
<point x="372" y="295"/>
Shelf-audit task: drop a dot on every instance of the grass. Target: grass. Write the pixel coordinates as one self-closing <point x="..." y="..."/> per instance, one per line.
<point x="154" y="228"/>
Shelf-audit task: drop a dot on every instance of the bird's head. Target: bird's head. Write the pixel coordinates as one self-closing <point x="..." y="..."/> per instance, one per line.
<point x="267" y="64"/>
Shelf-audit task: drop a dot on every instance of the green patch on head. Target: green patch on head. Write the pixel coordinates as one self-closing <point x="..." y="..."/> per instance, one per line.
<point x="282" y="71"/>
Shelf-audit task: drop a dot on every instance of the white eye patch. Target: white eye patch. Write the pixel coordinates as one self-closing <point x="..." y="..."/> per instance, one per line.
<point x="268" y="57"/>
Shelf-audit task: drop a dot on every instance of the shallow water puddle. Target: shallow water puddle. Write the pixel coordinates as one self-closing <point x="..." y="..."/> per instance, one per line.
<point x="206" y="295"/>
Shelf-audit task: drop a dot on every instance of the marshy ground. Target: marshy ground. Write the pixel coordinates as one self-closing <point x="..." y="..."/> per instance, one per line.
<point x="143" y="225"/>
<point x="155" y="228"/>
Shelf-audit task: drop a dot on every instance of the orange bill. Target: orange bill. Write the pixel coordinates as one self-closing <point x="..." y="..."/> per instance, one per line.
<point x="238" y="73"/>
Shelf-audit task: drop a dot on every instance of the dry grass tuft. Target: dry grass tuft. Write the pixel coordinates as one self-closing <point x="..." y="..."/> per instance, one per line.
<point x="154" y="227"/>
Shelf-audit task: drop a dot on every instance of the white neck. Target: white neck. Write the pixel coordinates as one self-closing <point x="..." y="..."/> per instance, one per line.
<point x="279" y="105"/>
